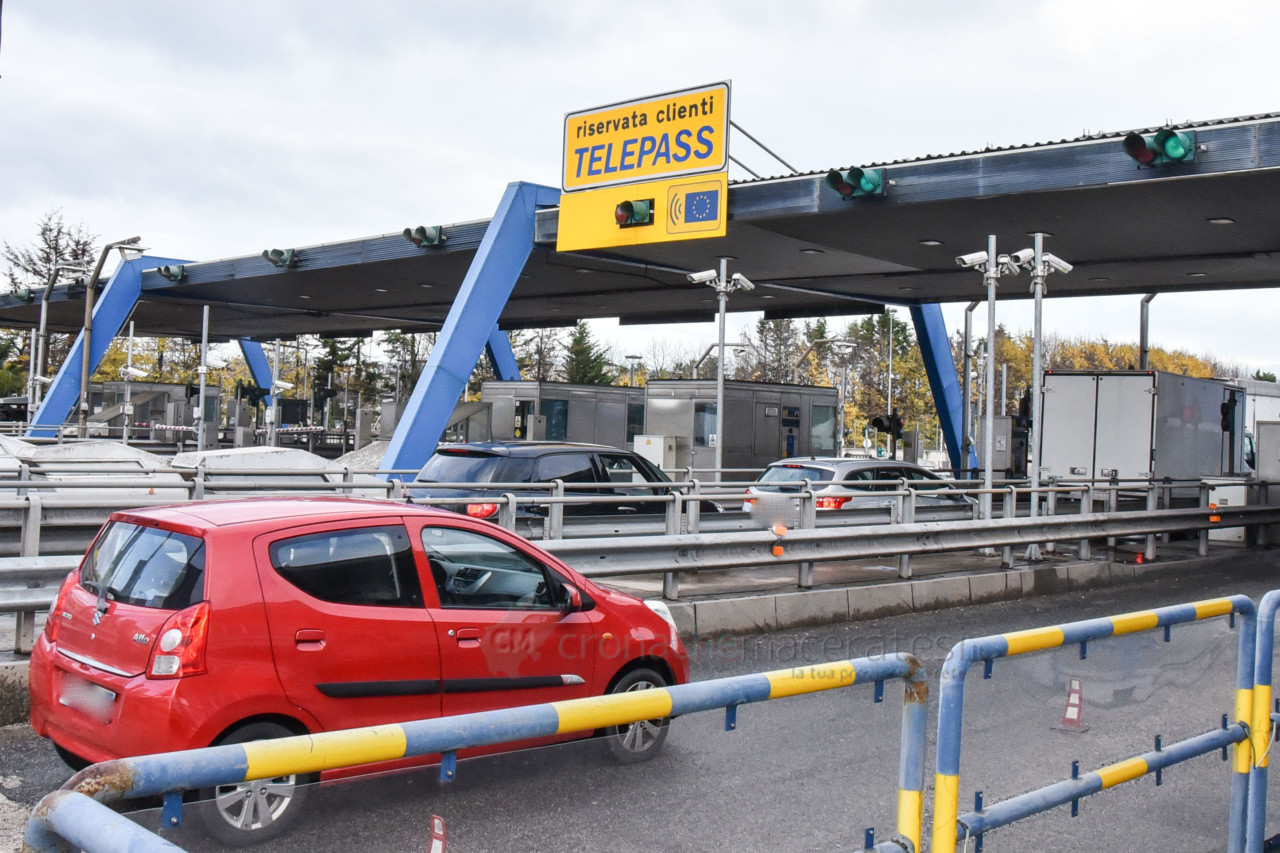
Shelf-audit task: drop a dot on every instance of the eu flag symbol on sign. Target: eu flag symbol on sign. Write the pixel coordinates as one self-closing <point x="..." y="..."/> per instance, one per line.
<point x="702" y="206"/>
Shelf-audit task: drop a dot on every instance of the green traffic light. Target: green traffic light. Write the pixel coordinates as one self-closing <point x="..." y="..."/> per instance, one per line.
<point x="857" y="182"/>
<point x="1174" y="146"/>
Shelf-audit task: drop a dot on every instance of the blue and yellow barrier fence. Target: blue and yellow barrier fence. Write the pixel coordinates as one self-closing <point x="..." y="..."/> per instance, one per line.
<point x="1262" y="737"/>
<point x="948" y="823"/>
<point x="76" y="812"/>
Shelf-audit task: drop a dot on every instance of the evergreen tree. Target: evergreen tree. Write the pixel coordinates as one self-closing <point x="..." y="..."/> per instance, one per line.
<point x="586" y="363"/>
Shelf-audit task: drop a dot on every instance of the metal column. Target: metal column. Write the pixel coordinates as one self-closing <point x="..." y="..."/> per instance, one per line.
<point x="110" y="312"/>
<point x="940" y="366"/>
<point x="470" y="324"/>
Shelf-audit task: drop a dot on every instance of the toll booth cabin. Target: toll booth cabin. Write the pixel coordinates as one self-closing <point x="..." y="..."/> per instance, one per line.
<point x="559" y="411"/>
<point x="763" y="422"/>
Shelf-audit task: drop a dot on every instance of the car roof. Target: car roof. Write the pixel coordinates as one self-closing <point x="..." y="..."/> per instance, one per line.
<point x="525" y="448"/>
<point x="203" y="515"/>
<point x="843" y="462"/>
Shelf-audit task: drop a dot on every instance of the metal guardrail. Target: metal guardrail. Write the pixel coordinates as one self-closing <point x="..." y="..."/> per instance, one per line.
<point x="948" y="824"/>
<point x="78" y="812"/>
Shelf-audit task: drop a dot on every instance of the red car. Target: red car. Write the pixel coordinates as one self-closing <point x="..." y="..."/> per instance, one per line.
<point x="228" y="621"/>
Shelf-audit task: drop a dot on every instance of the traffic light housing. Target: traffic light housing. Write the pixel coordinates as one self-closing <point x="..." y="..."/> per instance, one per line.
<point x="857" y="182"/>
<point x="250" y="392"/>
<point x="24" y="293"/>
<point x="890" y="423"/>
<point x="282" y="258"/>
<point x="1162" y="148"/>
<point x="173" y="273"/>
<point x="320" y="395"/>
<point x="425" y="235"/>
<point x="630" y="214"/>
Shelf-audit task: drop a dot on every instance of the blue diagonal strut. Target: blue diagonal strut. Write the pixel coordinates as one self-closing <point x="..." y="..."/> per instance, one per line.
<point x="110" y="312"/>
<point x="469" y="327"/>
<point x="940" y="365"/>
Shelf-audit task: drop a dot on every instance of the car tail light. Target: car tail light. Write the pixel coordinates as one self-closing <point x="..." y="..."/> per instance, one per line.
<point x="54" y="621"/>
<point x="482" y="510"/>
<point x="748" y="501"/>
<point x="831" y="503"/>
<point x="180" y="650"/>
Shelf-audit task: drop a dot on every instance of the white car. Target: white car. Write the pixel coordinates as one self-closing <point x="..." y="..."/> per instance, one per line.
<point x="845" y="484"/>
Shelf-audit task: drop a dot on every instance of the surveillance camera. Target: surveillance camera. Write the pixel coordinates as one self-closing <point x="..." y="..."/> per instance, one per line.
<point x="1023" y="257"/>
<point x="1056" y="263"/>
<point x="43" y="380"/>
<point x="134" y="372"/>
<point x="215" y="363"/>
<point x="704" y="277"/>
<point x="971" y="260"/>
<point x="742" y="281"/>
<point x="281" y="385"/>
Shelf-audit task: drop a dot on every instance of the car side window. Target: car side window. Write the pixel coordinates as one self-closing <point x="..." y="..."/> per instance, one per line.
<point x="371" y="566"/>
<point x="472" y="570"/>
<point x="627" y="475"/>
<point x="860" y="477"/>
<point x="570" y="467"/>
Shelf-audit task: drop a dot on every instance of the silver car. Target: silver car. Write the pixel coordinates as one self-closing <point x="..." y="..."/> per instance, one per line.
<point x="844" y="484"/>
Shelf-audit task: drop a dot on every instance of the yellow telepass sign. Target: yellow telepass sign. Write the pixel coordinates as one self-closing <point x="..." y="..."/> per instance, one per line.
<point x="685" y="208"/>
<point x="679" y="133"/>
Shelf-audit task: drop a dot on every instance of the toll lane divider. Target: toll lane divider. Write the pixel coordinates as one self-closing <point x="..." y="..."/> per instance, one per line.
<point x="77" y="812"/>
<point x="948" y="824"/>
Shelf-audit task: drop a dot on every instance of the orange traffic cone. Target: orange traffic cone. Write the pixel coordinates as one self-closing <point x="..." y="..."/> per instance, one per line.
<point x="1071" y="717"/>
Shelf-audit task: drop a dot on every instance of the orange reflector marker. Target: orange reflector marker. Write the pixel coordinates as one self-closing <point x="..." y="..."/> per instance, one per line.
<point x="1212" y="516"/>
<point x="778" y="530"/>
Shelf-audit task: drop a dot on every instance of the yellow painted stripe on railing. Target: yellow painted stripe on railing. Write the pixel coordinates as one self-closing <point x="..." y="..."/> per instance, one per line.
<point x="1240" y="759"/>
<point x="1131" y="623"/>
<point x="911" y="815"/>
<point x="810" y="679"/>
<point x="271" y="758"/>
<point x="1033" y="640"/>
<point x="1213" y="607"/>
<point x="597" y="712"/>
<point x="1260" y="729"/>
<point x="946" y="801"/>
<point x="1122" y="771"/>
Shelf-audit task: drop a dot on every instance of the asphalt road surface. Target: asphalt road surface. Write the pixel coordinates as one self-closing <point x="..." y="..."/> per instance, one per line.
<point x="812" y="772"/>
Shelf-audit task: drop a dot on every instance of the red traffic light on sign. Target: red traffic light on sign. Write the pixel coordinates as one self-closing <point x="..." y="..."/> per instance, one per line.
<point x="632" y="213"/>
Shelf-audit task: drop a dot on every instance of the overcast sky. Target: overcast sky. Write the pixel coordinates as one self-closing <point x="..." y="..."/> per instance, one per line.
<point x="216" y="129"/>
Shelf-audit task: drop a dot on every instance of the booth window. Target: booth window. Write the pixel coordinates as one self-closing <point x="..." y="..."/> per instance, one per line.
<point x="635" y="421"/>
<point x="822" y="429"/>
<point x="557" y="413"/>
<point x="704" y="424"/>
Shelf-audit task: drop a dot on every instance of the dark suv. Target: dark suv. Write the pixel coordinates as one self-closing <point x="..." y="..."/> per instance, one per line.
<point x="619" y="475"/>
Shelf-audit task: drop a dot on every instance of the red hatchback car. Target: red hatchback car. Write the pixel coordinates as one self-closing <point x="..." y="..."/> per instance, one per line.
<point x="222" y="622"/>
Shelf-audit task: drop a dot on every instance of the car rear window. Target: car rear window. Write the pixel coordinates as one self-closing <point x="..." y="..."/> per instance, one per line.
<point x="794" y="474"/>
<point x="145" y="565"/>
<point x="368" y="565"/>
<point x="446" y="467"/>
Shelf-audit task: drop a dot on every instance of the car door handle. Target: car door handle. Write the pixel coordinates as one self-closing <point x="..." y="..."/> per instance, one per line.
<point x="309" y="639"/>
<point x="468" y="638"/>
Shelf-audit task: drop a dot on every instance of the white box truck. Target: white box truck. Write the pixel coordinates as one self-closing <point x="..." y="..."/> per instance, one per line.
<point x="1140" y="424"/>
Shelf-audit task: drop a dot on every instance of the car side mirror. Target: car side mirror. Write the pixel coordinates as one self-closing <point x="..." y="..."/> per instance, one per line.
<point x="571" y="602"/>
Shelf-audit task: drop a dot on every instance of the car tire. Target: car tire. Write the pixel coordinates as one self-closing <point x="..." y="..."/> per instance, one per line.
<point x="247" y="813"/>
<point x="70" y="759"/>
<point x="636" y="742"/>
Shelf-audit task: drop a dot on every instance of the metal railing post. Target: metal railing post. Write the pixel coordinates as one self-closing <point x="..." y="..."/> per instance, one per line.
<point x="1202" y="548"/>
<point x="1262" y="731"/>
<point x="1010" y="511"/>
<point x="507" y="511"/>
<point x="1086" y="508"/>
<point x="1051" y="509"/>
<point x="555" y="512"/>
<point x="693" y="508"/>
<point x="908" y="517"/>
<point x="1149" y="553"/>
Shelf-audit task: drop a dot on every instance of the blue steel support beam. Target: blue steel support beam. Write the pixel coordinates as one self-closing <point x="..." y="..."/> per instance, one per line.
<point x="470" y="325"/>
<point x="256" y="357"/>
<point x="502" y="357"/>
<point x="940" y="365"/>
<point x="110" y="312"/>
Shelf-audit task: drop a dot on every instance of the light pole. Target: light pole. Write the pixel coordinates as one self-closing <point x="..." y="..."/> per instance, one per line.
<point x="723" y="286"/>
<point x="697" y="364"/>
<point x="1041" y="263"/>
<point x="795" y="368"/>
<point x="633" y="359"/>
<point x="991" y="266"/>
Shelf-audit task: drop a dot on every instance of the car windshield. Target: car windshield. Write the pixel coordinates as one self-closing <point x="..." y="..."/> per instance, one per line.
<point x="447" y="467"/>
<point x="778" y="474"/>
<point x="146" y="566"/>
